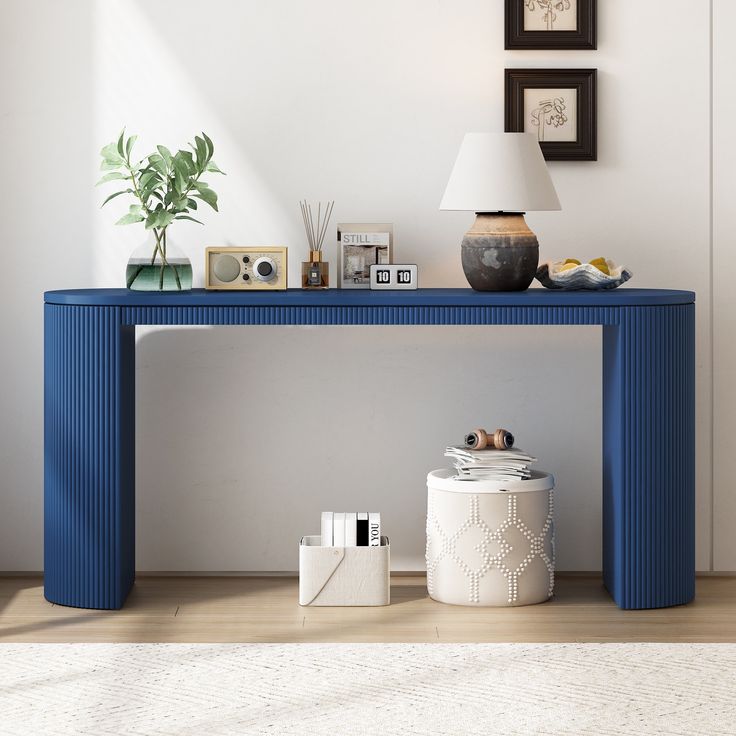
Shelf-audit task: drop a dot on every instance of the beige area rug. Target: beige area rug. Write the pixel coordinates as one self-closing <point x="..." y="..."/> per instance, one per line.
<point x="346" y="689"/>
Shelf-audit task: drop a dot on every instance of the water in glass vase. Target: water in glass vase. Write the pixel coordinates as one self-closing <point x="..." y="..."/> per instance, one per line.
<point x="158" y="269"/>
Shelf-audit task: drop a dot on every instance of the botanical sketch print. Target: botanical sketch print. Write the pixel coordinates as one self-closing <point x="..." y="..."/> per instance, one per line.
<point x="551" y="114"/>
<point x="550" y="15"/>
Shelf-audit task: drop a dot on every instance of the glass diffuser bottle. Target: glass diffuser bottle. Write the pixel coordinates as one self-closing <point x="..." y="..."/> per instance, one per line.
<point x="315" y="271"/>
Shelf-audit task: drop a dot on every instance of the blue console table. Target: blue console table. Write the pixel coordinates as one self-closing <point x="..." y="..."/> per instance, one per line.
<point x="648" y="417"/>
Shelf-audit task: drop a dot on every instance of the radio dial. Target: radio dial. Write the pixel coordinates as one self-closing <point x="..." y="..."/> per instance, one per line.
<point x="264" y="269"/>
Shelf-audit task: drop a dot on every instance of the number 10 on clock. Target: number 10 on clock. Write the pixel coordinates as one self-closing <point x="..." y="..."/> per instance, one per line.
<point x="393" y="276"/>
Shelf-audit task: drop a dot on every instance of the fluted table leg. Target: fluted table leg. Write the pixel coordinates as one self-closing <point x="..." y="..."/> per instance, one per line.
<point x="649" y="456"/>
<point x="89" y="469"/>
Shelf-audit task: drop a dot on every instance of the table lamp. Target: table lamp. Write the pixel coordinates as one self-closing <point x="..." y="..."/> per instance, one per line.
<point x="500" y="176"/>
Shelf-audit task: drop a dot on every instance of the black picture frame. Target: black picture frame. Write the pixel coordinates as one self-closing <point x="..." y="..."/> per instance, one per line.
<point x="585" y="146"/>
<point x="518" y="39"/>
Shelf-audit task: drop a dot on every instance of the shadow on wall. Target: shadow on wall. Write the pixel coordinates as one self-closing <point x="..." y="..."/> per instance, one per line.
<point x="45" y="233"/>
<point x="244" y="435"/>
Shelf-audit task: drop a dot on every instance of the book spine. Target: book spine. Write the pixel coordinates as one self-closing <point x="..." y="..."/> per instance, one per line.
<point x="362" y="529"/>
<point x="351" y="534"/>
<point x="374" y="529"/>
<point x="338" y="529"/>
<point x="326" y="529"/>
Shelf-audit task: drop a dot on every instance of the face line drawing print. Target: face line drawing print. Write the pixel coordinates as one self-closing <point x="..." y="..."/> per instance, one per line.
<point x="550" y="8"/>
<point x="549" y="112"/>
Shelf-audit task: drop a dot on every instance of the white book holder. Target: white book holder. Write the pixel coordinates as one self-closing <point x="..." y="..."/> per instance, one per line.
<point x="343" y="576"/>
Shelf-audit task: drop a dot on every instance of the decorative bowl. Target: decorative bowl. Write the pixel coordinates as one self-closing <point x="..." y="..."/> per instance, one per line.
<point x="584" y="276"/>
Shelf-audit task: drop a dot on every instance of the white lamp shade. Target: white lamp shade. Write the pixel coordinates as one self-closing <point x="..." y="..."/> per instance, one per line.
<point x="500" y="172"/>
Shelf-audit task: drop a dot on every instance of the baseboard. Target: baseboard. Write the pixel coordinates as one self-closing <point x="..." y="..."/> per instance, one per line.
<point x="294" y="573"/>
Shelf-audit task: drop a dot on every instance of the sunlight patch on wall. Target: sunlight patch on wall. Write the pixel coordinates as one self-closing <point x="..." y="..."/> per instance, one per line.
<point x="140" y="84"/>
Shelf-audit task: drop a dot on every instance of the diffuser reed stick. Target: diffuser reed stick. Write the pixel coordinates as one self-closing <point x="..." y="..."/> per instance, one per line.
<point x="316" y="233"/>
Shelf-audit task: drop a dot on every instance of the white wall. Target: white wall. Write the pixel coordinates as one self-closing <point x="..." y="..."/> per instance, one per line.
<point x="724" y="295"/>
<point x="365" y="103"/>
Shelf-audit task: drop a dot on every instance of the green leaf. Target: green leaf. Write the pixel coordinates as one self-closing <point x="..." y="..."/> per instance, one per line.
<point x="121" y="148"/>
<point x="201" y="149"/>
<point x="149" y="177"/>
<point x="156" y="162"/>
<point x="192" y="203"/>
<point x="181" y="174"/>
<point x="159" y="218"/>
<point x="210" y="145"/>
<point x="187" y="217"/>
<point x="111" y="156"/>
<point x="207" y="195"/>
<point x="180" y="182"/>
<point x="108" y="165"/>
<point x="165" y="218"/>
<point x="116" y="194"/>
<point x="179" y="204"/>
<point x="189" y="160"/>
<point x="129" y="145"/>
<point x="212" y="166"/>
<point x="136" y="209"/>
<point x="146" y="196"/>
<point x="112" y="176"/>
<point x="130" y="219"/>
<point x="165" y="154"/>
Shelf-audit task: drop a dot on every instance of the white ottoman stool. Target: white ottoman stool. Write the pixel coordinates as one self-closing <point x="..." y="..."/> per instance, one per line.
<point x="490" y="543"/>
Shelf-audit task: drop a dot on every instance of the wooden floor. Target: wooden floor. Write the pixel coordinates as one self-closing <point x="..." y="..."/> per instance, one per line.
<point x="228" y="609"/>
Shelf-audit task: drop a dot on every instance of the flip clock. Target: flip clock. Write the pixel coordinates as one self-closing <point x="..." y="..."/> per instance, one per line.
<point x="393" y="276"/>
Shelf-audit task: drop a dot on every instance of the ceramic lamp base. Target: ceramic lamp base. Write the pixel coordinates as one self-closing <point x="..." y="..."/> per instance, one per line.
<point x="500" y="252"/>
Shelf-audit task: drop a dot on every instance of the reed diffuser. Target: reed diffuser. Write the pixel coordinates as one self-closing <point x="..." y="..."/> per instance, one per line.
<point x="315" y="271"/>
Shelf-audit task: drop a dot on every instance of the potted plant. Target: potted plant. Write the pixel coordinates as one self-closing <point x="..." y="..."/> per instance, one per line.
<point x="165" y="187"/>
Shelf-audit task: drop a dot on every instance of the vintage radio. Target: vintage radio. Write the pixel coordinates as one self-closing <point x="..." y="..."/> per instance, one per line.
<point x="246" y="269"/>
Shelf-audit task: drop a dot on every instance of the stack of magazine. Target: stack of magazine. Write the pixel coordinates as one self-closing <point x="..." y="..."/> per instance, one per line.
<point x="490" y="464"/>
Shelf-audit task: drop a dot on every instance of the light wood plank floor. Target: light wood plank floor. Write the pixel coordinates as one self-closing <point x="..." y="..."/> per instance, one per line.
<point x="238" y="609"/>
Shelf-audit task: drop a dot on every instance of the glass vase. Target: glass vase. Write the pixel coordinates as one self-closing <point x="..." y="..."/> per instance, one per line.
<point x="158" y="266"/>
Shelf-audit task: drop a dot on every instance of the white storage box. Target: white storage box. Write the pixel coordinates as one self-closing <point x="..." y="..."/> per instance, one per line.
<point x="490" y="543"/>
<point x="344" y="576"/>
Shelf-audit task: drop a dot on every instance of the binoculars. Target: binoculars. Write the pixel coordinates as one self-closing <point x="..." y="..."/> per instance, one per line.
<point x="479" y="439"/>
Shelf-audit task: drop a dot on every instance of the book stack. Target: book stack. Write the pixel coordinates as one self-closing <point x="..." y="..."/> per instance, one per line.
<point x="351" y="529"/>
<point x="490" y="464"/>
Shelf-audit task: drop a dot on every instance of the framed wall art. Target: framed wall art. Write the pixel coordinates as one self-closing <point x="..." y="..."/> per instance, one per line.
<point x="550" y="24"/>
<point x="558" y="106"/>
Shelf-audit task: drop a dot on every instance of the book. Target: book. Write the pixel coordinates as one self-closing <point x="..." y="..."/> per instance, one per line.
<point x="327" y="521"/>
<point x="351" y="529"/>
<point x="359" y="246"/>
<point x="374" y="529"/>
<point x="362" y="529"/>
<point x="338" y="529"/>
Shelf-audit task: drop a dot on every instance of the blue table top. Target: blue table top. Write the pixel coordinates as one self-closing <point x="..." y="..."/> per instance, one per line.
<point x="622" y="297"/>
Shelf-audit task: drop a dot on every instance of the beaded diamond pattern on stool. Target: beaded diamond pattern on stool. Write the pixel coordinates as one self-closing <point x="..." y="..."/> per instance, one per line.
<point x="490" y="561"/>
